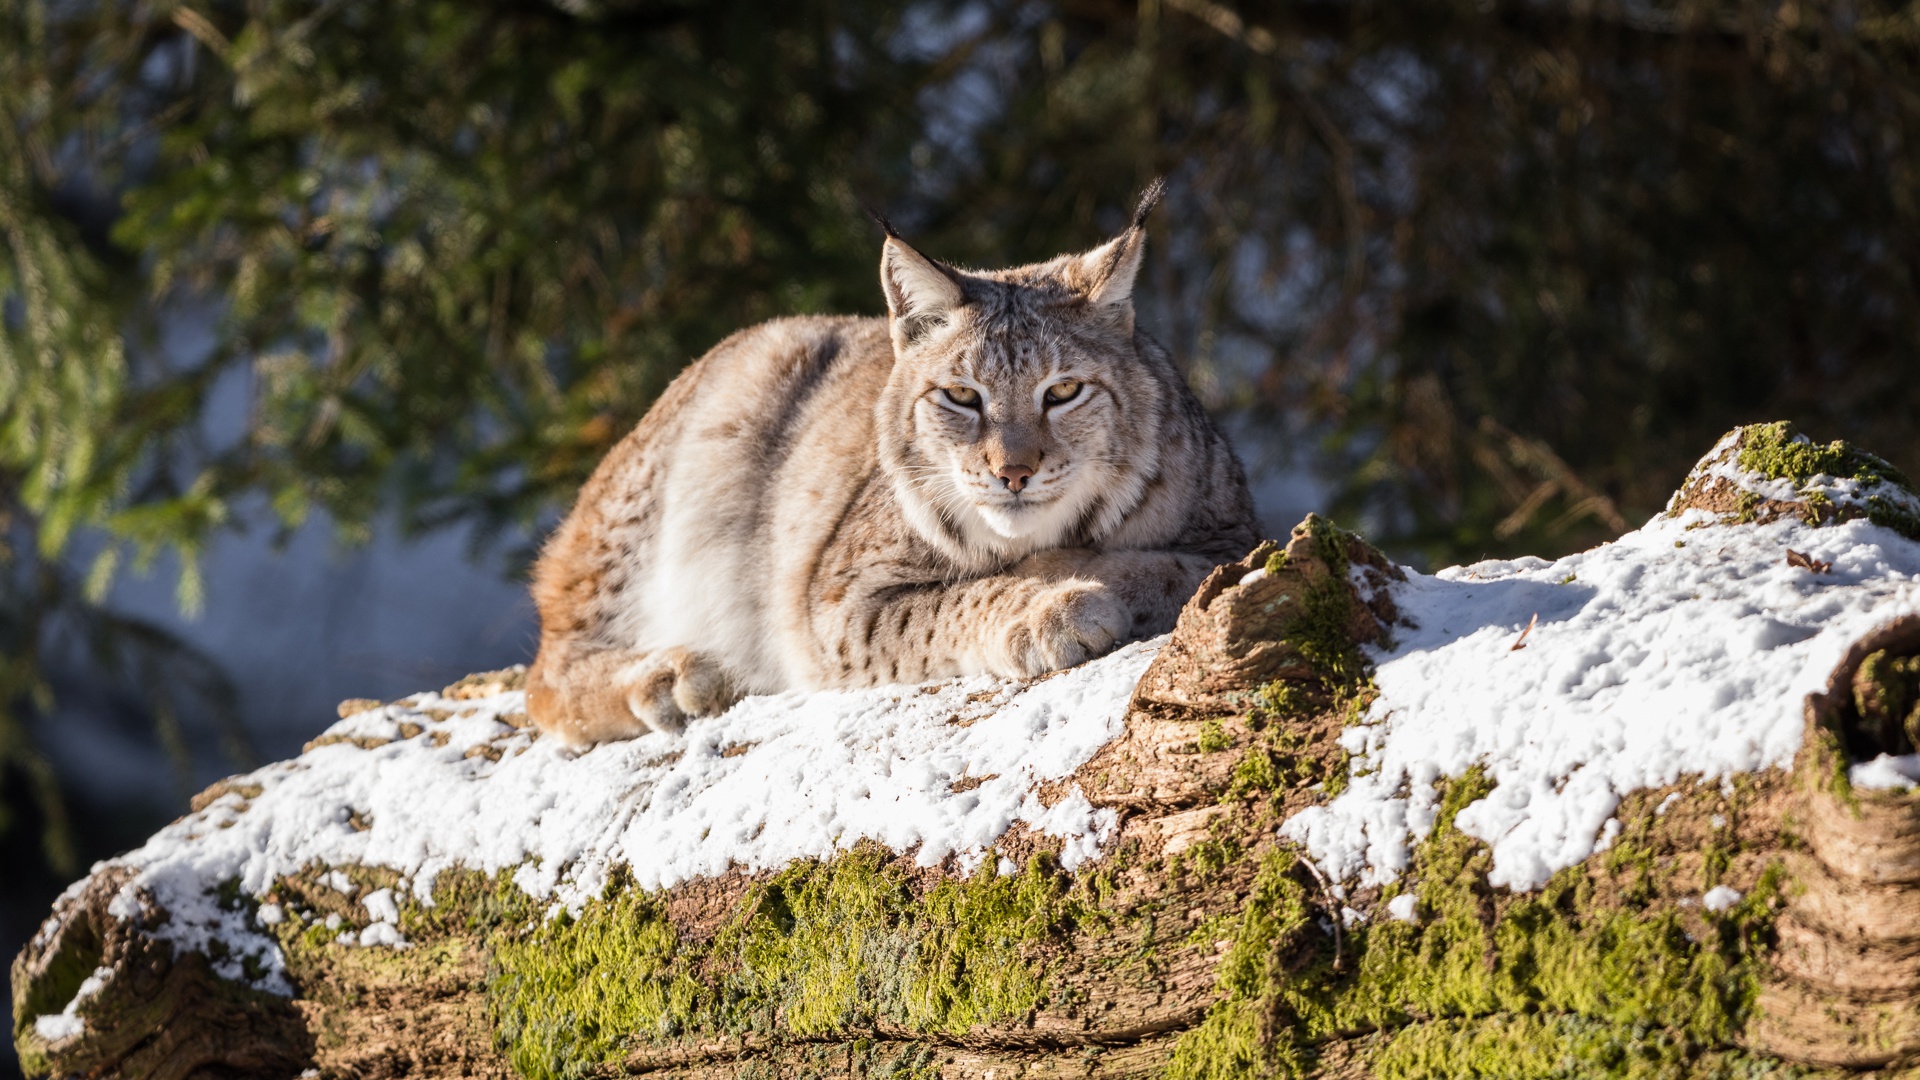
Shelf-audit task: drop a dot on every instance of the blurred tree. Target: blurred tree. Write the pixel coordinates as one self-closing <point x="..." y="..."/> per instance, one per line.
<point x="459" y="246"/>
<point x="1514" y="264"/>
<point x="456" y="249"/>
<point x="1502" y="267"/>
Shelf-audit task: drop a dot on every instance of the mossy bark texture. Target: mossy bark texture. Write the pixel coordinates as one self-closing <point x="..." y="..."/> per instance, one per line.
<point x="1812" y="473"/>
<point x="1199" y="946"/>
<point x="1844" y="988"/>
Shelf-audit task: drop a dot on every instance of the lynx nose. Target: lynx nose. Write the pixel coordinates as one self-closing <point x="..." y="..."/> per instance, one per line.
<point x="1014" y="475"/>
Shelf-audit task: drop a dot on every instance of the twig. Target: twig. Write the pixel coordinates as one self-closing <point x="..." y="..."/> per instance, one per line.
<point x="1521" y="641"/>
<point x="202" y="29"/>
<point x="1538" y="458"/>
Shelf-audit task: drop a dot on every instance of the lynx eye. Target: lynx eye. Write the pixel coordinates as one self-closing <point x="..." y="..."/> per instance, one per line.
<point x="963" y="396"/>
<point x="1063" y="391"/>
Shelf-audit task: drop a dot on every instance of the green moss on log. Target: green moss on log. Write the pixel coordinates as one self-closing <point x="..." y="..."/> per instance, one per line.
<point x="1886" y="693"/>
<point x="50" y="993"/>
<point x="33" y="998"/>
<point x="1562" y="1046"/>
<point x="1628" y="977"/>
<point x="1321" y="628"/>
<point x="1565" y="981"/>
<point x="1778" y="451"/>
<point x="574" y="992"/>
<point x="823" y="948"/>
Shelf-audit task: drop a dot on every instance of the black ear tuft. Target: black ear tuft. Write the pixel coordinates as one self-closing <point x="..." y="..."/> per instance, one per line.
<point x="880" y="219"/>
<point x="1149" y="199"/>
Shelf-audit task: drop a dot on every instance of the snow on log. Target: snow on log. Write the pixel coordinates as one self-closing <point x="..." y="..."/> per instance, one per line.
<point x="1650" y="805"/>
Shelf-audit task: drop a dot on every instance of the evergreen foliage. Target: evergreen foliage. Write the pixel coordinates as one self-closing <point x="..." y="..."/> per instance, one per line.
<point x="1502" y="267"/>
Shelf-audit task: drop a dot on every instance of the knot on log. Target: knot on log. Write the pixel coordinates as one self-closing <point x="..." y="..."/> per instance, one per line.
<point x="1764" y="472"/>
<point x="1280" y="632"/>
<point x="1298" y="614"/>
<point x="1845" y="985"/>
<point x="98" y="992"/>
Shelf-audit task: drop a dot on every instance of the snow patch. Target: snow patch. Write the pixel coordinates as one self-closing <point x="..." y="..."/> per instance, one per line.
<point x="774" y="779"/>
<point x="67" y="1023"/>
<point x="379" y="933"/>
<point x="1888" y="772"/>
<point x="1720" y="898"/>
<point x="380" y="905"/>
<point x="1674" y="651"/>
<point x="56" y="1026"/>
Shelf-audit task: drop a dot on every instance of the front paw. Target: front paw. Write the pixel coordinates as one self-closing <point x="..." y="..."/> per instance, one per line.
<point x="1067" y="624"/>
<point x="667" y="687"/>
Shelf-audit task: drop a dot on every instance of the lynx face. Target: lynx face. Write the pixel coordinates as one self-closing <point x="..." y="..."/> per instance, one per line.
<point x="1019" y="415"/>
<point x="1019" y="426"/>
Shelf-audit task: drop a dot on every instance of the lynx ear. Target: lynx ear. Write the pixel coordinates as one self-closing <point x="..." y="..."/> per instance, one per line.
<point x="1105" y="275"/>
<point x="920" y="292"/>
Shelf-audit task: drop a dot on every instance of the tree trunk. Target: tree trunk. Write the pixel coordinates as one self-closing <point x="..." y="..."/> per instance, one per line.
<point x="1198" y="944"/>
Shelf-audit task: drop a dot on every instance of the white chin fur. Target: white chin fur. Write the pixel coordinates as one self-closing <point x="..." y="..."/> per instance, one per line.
<point x="1012" y="525"/>
<point x="1042" y="524"/>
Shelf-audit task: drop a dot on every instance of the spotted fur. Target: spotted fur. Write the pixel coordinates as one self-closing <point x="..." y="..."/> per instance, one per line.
<point x="814" y="503"/>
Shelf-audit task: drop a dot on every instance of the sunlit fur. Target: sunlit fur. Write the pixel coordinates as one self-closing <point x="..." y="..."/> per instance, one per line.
<point x="1019" y="332"/>
<point x="806" y="507"/>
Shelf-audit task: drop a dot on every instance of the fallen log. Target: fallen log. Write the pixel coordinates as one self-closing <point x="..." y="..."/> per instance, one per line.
<point x="1237" y="852"/>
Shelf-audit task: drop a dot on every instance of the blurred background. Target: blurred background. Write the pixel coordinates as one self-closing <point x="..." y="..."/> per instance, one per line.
<point x="313" y="315"/>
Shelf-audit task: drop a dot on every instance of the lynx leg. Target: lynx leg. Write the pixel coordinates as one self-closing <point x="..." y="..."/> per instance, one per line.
<point x="1089" y="604"/>
<point x="601" y="695"/>
<point x="1064" y="624"/>
<point x="1051" y="611"/>
<point x="1154" y="585"/>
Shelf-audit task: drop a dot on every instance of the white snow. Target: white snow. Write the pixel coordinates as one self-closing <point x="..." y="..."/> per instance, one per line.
<point x="56" y="1026"/>
<point x="1887" y="772"/>
<point x="773" y="780"/>
<point x="1682" y="649"/>
<point x="1404" y="907"/>
<point x="385" y="928"/>
<point x="379" y="933"/>
<point x="380" y="905"/>
<point x="1720" y="898"/>
<point x="67" y="1022"/>
<point x="1609" y="832"/>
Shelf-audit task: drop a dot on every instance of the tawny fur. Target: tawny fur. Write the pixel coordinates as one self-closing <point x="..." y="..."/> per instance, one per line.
<point x="811" y="504"/>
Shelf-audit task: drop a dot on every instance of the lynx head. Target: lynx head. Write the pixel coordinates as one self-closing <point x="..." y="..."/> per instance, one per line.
<point x="1023" y="409"/>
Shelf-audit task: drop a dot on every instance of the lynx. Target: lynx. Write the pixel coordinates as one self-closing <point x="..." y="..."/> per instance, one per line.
<point x="1002" y="476"/>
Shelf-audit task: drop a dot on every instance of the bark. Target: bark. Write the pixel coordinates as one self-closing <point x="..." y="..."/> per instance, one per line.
<point x="1845" y="989"/>
<point x="1156" y="961"/>
<point x="161" y="1015"/>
